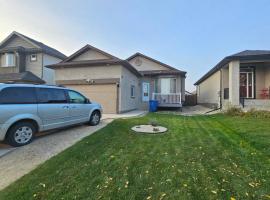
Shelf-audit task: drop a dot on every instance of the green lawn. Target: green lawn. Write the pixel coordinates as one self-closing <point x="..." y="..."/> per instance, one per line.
<point x="202" y="157"/>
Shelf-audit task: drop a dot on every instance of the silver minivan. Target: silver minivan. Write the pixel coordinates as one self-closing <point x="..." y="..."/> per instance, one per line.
<point x="26" y="109"/>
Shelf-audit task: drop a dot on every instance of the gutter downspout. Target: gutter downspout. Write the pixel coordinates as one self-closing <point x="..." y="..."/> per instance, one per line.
<point x="42" y="67"/>
<point x="220" y="88"/>
<point x="220" y="94"/>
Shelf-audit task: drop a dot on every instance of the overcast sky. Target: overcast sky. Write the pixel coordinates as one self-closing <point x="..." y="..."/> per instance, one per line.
<point x="189" y="35"/>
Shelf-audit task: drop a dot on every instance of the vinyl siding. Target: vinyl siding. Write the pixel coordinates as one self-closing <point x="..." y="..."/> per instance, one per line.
<point x="126" y="101"/>
<point x="49" y="74"/>
<point x="146" y="64"/>
<point x="16" y="41"/>
<point x="90" y="55"/>
<point x="207" y="91"/>
<point x="99" y="72"/>
<point x="34" y="67"/>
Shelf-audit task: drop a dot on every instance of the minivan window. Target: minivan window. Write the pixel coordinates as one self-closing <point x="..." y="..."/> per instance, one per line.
<point x="18" y="95"/>
<point x="51" y="95"/>
<point x="75" y="97"/>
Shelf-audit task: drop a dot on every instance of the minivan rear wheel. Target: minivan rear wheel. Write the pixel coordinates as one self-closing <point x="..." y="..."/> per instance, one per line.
<point x="95" y="118"/>
<point x="20" y="134"/>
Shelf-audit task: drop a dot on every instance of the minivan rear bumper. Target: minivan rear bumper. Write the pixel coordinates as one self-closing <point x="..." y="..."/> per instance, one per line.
<point x="3" y="131"/>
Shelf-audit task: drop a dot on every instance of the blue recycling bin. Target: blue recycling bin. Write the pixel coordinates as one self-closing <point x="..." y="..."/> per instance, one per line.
<point x="153" y="105"/>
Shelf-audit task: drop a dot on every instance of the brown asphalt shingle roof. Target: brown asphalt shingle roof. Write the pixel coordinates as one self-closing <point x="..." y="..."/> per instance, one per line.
<point x="112" y="60"/>
<point x="43" y="47"/>
<point x="242" y="56"/>
<point x="21" y="77"/>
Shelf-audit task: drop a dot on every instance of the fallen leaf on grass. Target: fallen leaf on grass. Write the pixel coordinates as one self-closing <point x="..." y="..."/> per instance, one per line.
<point x="163" y="195"/>
<point x="42" y="184"/>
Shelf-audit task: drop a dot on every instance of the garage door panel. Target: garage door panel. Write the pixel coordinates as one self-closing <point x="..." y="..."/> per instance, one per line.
<point x="105" y="94"/>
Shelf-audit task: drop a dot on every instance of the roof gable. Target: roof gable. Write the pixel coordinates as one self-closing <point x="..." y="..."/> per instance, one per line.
<point x="91" y="55"/>
<point x="145" y="63"/>
<point x="89" y="52"/>
<point x="16" y="39"/>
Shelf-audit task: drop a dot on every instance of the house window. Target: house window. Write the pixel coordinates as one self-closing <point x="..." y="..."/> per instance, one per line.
<point x="33" y="57"/>
<point x="10" y="60"/>
<point x="132" y="91"/>
<point x="168" y="85"/>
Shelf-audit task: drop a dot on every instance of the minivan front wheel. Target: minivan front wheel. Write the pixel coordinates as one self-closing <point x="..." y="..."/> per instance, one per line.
<point x="20" y="134"/>
<point x="95" y="118"/>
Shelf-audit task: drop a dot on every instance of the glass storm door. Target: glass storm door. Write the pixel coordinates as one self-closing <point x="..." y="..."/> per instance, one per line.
<point x="246" y="85"/>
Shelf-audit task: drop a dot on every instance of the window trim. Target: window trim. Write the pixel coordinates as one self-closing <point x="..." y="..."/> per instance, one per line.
<point x="7" y="59"/>
<point x="171" y="87"/>
<point x="31" y="58"/>
<point x="132" y="91"/>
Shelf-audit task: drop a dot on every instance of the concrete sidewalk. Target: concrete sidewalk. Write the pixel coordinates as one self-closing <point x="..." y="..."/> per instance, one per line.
<point x="191" y="111"/>
<point x="134" y="113"/>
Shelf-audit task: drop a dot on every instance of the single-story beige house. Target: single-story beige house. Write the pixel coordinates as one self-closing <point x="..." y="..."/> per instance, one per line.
<point x="121" y="85"/>
<point x="242" y="79"/>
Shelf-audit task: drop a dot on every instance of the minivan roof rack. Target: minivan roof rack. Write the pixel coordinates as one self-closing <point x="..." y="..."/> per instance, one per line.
<point x="34" y="84"/>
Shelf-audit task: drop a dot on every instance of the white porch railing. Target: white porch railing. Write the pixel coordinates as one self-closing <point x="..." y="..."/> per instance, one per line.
<point x="167" y="99"/>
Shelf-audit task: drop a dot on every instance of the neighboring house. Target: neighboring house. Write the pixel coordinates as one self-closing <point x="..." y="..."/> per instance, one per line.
<point x="166" y="84"/>
<point x="120" y="85"/>
<point x="242" y="79"/>
<point x="22" y="58"/>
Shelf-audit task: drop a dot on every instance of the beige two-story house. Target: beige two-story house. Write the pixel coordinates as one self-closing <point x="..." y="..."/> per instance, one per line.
<point x="23" y="60"/>
<point x="121" y="85"/>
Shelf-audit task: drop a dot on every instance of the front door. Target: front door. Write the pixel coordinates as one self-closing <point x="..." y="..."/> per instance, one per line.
<point x="145" y="91"/>
<point x="246" y="84"/>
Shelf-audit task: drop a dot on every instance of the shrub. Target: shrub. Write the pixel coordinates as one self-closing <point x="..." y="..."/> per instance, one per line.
<point x="234" y="111"/>
<point x="153" y="122"/>
<point x="257" y="113"/>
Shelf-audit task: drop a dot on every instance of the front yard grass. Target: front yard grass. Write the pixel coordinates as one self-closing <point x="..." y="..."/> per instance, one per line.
<point x="200" y="157"/>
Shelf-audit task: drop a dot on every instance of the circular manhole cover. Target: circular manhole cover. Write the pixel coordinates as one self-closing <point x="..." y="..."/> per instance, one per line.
<point x="149" y="129"/>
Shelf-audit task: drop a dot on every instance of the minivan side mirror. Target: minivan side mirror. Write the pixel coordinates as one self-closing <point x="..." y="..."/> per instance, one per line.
<point x="87" y="101"/>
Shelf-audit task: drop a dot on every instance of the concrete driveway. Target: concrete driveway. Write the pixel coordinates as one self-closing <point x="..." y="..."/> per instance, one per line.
<point x="20" y="161"/>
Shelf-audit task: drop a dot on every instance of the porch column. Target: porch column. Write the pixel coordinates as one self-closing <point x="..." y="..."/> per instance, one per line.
<point x="234" y="69"/>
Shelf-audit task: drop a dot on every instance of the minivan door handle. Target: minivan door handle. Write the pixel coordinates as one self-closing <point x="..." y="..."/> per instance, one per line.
<point x="65" y="107"/>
